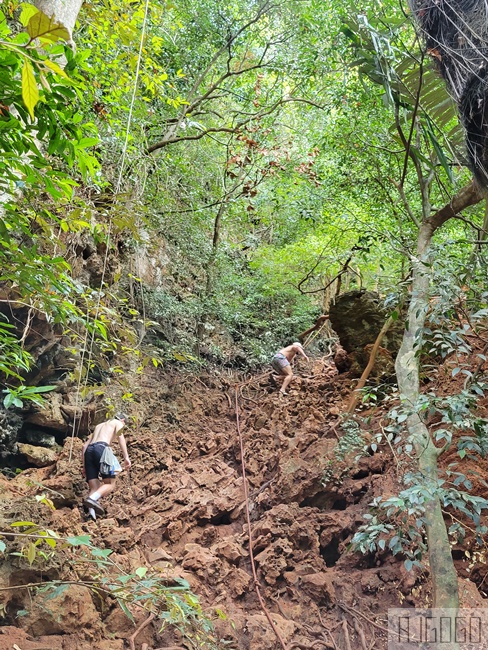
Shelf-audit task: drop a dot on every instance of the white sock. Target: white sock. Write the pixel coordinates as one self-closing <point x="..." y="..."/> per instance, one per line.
<point x="92" y="513"/>
<point x="95" y="496"/>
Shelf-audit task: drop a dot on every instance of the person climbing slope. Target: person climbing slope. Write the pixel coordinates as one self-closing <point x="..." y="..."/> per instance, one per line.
<point x="281" y="363"/>
<point x="99" y="461"/>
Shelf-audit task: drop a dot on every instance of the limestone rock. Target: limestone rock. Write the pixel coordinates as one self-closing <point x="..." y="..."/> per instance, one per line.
<point x="9" y="429"/>
<point x="50" y="417"/>
<point x="39" y="438"/>
<point x="357" y="317"/>
<point x="71" y="610"/>
<point x="38" y="456"/>
<point x="319" y="587"/>
<point x="261" y="635"/>
<point x="242" y="583"/>
<point x="203" y="562"/>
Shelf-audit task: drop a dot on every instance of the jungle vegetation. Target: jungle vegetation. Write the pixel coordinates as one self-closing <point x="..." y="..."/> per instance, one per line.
<point x="251" y="149"/>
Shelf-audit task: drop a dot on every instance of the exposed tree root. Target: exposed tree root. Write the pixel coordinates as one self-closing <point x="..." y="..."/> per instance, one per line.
<point x="133" y="636"/>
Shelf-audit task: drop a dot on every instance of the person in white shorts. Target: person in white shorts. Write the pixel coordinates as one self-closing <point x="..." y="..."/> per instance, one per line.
<point x="281" y="363"/>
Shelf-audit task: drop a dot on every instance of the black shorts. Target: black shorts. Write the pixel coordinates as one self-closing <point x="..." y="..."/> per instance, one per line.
<point x="93" y="453"/>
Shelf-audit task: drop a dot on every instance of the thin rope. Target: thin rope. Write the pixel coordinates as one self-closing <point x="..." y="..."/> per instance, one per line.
<point x="109" y="231"/>
<point x="248" y="519"/>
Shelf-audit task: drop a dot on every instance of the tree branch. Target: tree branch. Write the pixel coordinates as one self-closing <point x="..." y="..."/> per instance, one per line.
<point x="468" y="195"/>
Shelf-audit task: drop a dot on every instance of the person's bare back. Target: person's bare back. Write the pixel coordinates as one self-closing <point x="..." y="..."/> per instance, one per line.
<point x="291" y="350"/>
<point x="106" y="431"/>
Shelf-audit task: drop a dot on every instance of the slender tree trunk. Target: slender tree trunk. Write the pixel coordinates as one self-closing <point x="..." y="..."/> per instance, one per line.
<point x="443" y="573"/>
<point x="367" y="371"/>
<point x="210" y="273"/>
<point x="483" y="233"/>
<point x="64" y="12"/>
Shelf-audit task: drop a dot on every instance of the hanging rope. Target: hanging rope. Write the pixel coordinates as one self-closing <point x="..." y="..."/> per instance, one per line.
<point x="109" y="234"/>
<point x="248" y="519"/>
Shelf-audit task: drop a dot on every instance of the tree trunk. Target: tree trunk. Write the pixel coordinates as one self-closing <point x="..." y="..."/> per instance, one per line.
<point x="210" y="273"/>
<point x="443" y="573"/>
<point x="64" y="12"/>
<point x="367" y="371"/>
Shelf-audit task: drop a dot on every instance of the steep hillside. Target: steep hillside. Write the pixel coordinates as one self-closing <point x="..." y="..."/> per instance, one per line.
<point x="182" y="514"/>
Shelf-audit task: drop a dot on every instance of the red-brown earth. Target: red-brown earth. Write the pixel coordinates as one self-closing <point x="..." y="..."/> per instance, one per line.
<point x="182" y="513"/>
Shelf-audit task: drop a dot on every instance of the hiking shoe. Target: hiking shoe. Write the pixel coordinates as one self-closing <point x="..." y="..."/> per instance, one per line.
<point x="91" y="503"/>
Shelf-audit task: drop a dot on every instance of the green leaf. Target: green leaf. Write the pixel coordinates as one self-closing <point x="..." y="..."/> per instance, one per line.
<point x="439" y="151"/>
<point x="56" y="592"/>
<point x="31" y="553"/>
<point x="98" y="552"/>
<point x="125" y="609"/>
<point x="141" y="571"/>
<point x="30" y="92"/>
<point x="27" y="12"/>
<point x="55" y="68"/>
<point x="41" y="26"/>
<point x="22" y="523"/>
<point x="87" y="142"/>
<point x="28" y="390"/>
<point x="80" y="540"/>
<point x="2" y="546"/>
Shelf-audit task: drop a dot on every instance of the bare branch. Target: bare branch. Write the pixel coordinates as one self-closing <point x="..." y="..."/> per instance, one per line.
<point x="468" y="195"/>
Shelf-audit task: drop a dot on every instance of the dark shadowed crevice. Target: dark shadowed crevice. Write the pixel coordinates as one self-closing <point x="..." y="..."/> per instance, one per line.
<point x="330" y="553"/>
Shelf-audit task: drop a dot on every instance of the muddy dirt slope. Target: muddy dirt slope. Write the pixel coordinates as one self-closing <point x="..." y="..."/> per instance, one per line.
<point x="182" y="514"/>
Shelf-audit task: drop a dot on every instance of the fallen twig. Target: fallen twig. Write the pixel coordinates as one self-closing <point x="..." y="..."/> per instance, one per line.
<point x="144" y="624"/>
<point x="346" y="635"/>
<point x="360" y="633"/>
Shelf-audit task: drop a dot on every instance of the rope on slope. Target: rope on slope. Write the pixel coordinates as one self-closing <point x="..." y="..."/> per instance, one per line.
<point x="248" y="519"/>
<point x="109" y="232"/>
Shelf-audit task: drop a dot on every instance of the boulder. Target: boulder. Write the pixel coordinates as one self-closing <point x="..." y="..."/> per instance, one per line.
<point x="51" y="416"/>
<point x="319" y="587"/>
<point x="38" y="456"/>
<point x="39" y="438"/>
<point x="357" y="317"/>
<point x="10" y="425"/>
<point x="261" y="634"/>
<point x="67" y="610"/>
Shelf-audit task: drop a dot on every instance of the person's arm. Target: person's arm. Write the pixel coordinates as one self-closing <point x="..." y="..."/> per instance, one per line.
<point x="123" y="447"/>
<point x="301" y="351"/>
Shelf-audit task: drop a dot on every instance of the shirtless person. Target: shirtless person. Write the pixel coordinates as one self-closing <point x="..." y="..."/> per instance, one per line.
<point x="281" y="362"/>
<point x="93" y="449"/>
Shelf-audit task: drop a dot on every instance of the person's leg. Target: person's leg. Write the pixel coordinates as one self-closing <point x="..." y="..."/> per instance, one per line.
<point x="93" y="485"/>
<point x="106" y="487"/>
<point x="93" y="454"/>
<point x="288" y="372"/>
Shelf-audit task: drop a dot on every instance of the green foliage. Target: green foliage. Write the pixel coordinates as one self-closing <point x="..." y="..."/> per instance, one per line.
<point x="17" y="396"/>
<point x="169" y="599"/>
<point x="352" y="442"/>
<point x="398" y="522"/>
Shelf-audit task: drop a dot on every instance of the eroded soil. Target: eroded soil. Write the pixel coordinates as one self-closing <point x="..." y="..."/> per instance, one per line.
<point x="182" y="512"/>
